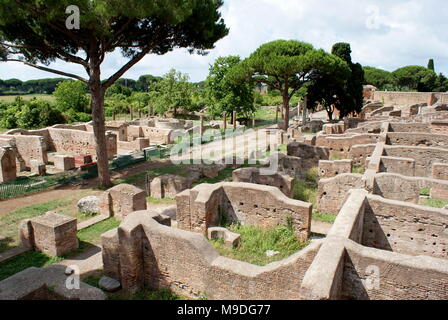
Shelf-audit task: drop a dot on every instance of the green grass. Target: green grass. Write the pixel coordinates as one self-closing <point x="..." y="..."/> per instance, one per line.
<point x="171" y="168"/>
<point x="93" y="233"/>
<point x="306" y="190"/>
<point x="336" y="157"/>
<point x="25" y="261"/>
<point x="87" y="237"/>
<point x="358" y="169"/>
<point x="255" y="241"/>
<point x="425" y="192"/>
<point x="46" y="97"/>
<point x="161" y="201"/>
<point x="9" y="222"/>
<point x="323" y="217"/>
<point x="434" y="203"/>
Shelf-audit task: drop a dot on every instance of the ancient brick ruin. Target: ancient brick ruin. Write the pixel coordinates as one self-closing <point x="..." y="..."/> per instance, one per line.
<point x="380" y="225"/>
<point x="51" y="233"/>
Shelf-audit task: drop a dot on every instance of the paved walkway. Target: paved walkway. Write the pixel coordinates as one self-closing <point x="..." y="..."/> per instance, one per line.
<point x="87" y="261"/>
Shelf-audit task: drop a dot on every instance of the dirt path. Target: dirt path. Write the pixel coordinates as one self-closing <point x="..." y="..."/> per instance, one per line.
<point x="18" y="203"/>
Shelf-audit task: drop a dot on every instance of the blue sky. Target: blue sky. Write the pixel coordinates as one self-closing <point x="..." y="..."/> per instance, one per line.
<point x="384" y="34"/>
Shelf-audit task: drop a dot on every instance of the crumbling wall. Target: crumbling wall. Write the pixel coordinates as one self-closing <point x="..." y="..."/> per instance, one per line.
<point x="250" y="204"/>
<point x="405" y="228"/>
<point x="8" y="168"/>
<point x="253" y="175"/>
<point x="403" y="166"/>
<point x="409" y="98"/>
<point x="187" y="264"/>
<point x="424" y="157"/>
<point x="75" y="142"/>
<point x="439" y="127"/>
<point x="360" y="153"/>
<point x="409" y="127"/>
<point x="310" y="155"/>
<point x="332" y="192"/>
<point x="342" y="145"/>
<point x="29" y="148"/>
<point x="329" y="169"/>
<point x="158" y="135"/>
<point x="417" y="139"/>
<point x="401" y="277"/>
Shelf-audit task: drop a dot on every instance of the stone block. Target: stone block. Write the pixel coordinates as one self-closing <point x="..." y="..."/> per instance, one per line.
<point x="122" y="200"/>
<point x="55" y="234"/>
<point x="38" y="167"/>
<point x="168" y="186"/>
<point x="64" y="163"/>
<point x="8" y="167"/>
<point x="231" y="239"/>
<point x="83" y="159"/>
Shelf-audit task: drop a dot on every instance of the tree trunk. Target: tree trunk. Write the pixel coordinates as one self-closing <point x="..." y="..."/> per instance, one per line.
<point x="99" y="128"/>
<point x="330" y="113"/>
<point x="276" y="114"/>
<point x="286" y="110"/>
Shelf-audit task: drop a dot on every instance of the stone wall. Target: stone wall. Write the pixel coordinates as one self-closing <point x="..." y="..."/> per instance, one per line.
<point x="440" y="171"/>
<point x="409" y="98"/>
<point x="144" y="252"/>
<point x="332" y="192"/>
<point x="8" y="168"/>
<point x="424" y="157"/>
<point x="168" y="186"/>
<point x="252" y="175"/>
<point x="28" y="147"/>
<point x="158" y="136"/>
<point x="417" y="139"/>
<point x="399" y="187"/>
<point x="205" y="205"/>
<point x="329" y="169"/>
<point x="75" y="142"/>
<point x="439" y="127"/>
<point x="310" y="155"/>
<point x="405" y="228"/>
<point x="360" y="153"/>
<point x="403" y="166"/>
<point x="401" y="277"/>
<point x="409" y="127"/>
<point x="137" y="144"/>
<point x="342" y="145"/>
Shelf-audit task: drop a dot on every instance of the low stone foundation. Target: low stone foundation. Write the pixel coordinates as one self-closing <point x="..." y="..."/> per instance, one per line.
<point x="249" y="204"/>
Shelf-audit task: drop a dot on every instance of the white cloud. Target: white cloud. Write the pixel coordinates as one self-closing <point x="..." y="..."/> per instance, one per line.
<point x="405" y="32"/>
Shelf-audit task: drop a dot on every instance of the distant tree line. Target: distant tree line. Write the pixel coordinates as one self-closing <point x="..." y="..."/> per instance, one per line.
<point x="409" y="78"/>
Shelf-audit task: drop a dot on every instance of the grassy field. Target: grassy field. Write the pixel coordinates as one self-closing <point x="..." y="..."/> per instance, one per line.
<point x="46" y="97"/>
<point x="9" y="222"/>
<point x="256" y="241"/>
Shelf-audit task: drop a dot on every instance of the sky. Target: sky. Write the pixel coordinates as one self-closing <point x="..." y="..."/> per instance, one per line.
<point x="382" y="33"/>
